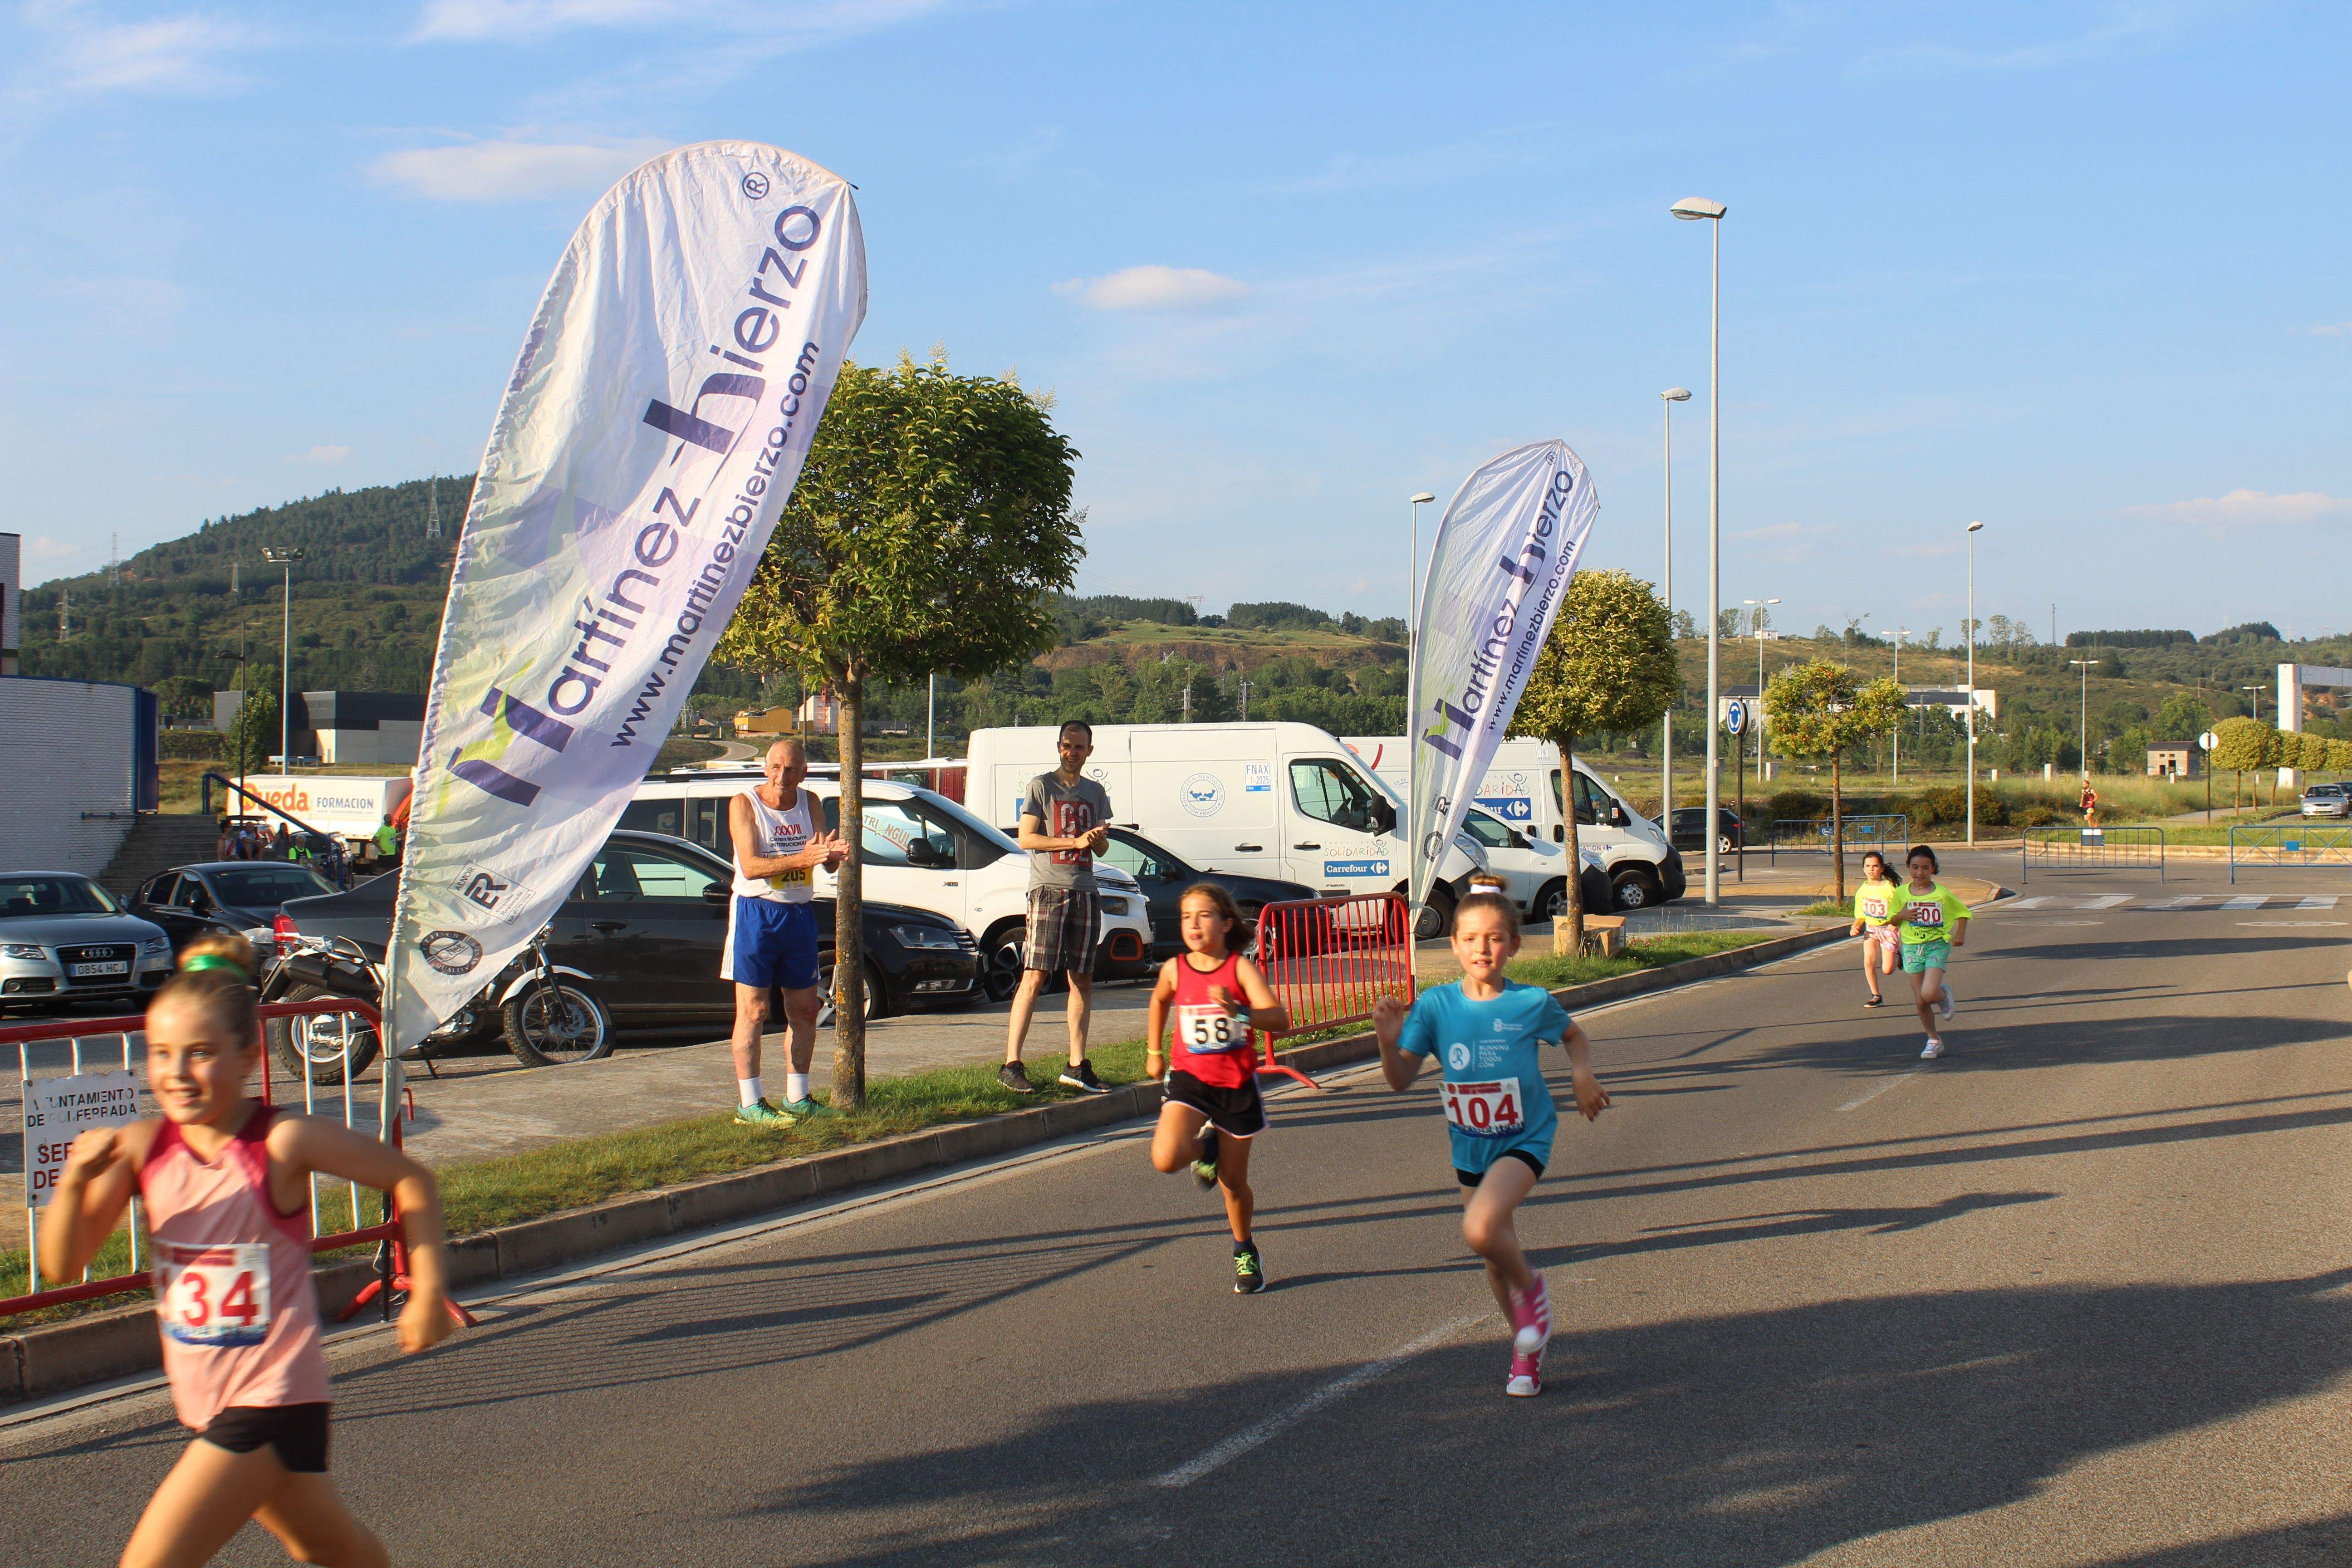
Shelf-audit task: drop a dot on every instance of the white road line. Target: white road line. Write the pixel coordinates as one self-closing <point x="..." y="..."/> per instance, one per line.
<point x="1274" y="1425"/>
<point x="2318" y="901"/>
<point x="2110" y="901"/>
<point x="1896" y="1082"/>
<point x="2245" y="902"/>
<point x="2034" y="902"/>
<point x="2183" y="903"/>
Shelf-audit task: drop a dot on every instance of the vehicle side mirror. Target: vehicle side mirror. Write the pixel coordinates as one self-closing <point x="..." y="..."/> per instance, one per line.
<point x="1383" y="816"/>
<point x="1558" y="833"/>
<point x="1617" y="817"/>
<point x="717" y="893"/>
<point x="1517" y="840"/>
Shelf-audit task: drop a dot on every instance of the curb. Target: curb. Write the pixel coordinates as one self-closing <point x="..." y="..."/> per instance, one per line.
<point x="123" y="1344"/>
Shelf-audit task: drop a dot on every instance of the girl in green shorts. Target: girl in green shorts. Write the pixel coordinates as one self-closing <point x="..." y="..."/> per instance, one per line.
<point x="1935" y="922"/>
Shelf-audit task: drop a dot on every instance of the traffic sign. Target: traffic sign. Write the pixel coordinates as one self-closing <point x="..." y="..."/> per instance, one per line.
<point x="2205" y="741"/>
<point x="1735" y="715"/>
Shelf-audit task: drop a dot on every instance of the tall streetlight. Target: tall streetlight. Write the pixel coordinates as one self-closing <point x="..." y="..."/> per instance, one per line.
<point x="2258" y="700"/>
<point x="1692" y="210"/>
<point x="2083" y="719"/>
<point x="284" y="559"/>
<point x="1671" y="396"/>
<point x="1974" y="529"/>
<point x="1900" y="633"/>
<point x="1754" y="722"/>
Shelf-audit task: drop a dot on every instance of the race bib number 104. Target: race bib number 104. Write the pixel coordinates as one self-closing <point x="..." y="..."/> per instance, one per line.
<point x="1485" y="1110"/>
<point x="213" y="1297"/>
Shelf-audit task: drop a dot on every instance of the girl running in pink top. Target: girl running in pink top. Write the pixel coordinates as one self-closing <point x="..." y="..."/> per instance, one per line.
<point x="226" y="1182"/>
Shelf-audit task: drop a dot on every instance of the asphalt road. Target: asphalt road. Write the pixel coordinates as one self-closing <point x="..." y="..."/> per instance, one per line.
<point x="2076" y="1294"/>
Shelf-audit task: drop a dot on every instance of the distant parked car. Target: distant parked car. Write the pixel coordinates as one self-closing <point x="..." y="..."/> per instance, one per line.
<point x="1690" y="828"/>
<point x="64" y="940"/>
<point x="242" y="896"/>
<point x="1164" y="878"/>
<point x="2328" y="800"/>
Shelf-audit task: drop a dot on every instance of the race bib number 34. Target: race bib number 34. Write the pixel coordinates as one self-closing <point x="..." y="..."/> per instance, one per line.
<point x="213" y="1297"/>
<point x="1485" y="1110"/>
<point x="1208" y="1030"/>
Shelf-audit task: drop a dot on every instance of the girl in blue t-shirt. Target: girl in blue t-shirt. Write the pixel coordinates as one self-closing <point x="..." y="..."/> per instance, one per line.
<point x="1485" y="1030"/>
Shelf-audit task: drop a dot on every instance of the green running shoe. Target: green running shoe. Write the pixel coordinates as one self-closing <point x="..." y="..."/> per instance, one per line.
<point x="806" y="1109"/>
<point x="1249" y="1272"/>
<point x="759" y="1113"/>
<point x="1204" y="1169"/>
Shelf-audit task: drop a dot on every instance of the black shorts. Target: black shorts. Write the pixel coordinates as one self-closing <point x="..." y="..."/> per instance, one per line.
<point x="298" y="1433"/>
<point x="1472" y="1178"/>
<point x="1235" y="1112"/>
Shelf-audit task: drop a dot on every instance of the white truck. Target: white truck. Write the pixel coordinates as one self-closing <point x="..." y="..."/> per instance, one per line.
<point x="1280" y="800"/>
<point x="1522" y="787"/>
<point x="351" y="806"/>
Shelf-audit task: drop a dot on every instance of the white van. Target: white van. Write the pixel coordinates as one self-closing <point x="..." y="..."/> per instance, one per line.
<point x="349" y="806"/>
<point x="919" y="849"/>
<point x="1285" y="801"/>
<point x="1522" y="787"/>
<point x="1535" y="870"/>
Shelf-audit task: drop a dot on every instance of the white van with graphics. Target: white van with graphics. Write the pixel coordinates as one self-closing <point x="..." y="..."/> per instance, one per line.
<point x="1287" y="800"/>
<point x="1522" y="787"/>
<point x="919" y="849"/>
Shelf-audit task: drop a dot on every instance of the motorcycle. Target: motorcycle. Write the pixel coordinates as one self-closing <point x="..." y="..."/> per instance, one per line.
<point x="549" y="1014"/>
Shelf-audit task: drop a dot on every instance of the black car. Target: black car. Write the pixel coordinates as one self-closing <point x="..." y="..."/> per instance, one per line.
<point x="1164" y="877"/>
<point x="645" y="929"/>
<point x="1690" y="828"/>
<point x="225" y="895"/>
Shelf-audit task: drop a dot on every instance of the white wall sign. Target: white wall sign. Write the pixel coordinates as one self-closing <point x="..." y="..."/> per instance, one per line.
<point x="59" y="1109"/>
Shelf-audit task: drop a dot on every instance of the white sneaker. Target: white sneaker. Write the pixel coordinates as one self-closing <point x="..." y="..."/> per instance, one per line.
<point x="1934" y="1048"/>
<point x="1945" y="1004"/>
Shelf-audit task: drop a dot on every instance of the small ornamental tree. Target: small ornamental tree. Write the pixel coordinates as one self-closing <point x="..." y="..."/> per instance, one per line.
<point x="1608" y="667"/>
<point x="2339" y="756"/>
<point x="929" y="532"/>
<point x="1820" y="710"/>
<point x="2238" y="745"/>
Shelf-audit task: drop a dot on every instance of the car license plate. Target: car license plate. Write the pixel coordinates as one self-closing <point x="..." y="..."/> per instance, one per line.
<point x="112" y="966"/>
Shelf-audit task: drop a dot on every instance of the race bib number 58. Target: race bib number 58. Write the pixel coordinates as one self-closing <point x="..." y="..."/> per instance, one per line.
<point x="213" y="1297"/>
<point x="1205" y="1031"/>
<point x="1485" y="1110"/>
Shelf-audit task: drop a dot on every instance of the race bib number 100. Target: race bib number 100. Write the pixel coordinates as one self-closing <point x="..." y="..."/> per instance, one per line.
<point x="213" y="1297"/>
<point x="1205" y="1031"/>
<point x="1485" y="1110"/>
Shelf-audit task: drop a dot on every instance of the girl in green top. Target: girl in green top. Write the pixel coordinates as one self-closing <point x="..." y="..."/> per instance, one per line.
<point x="1934" y="922"/>
<point x="1875" y="907"/>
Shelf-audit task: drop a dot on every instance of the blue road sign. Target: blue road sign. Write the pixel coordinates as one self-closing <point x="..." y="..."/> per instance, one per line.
<point x="1735" y="715"/>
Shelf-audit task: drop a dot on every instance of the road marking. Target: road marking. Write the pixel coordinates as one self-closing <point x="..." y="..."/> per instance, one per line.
<point x="2183" y="903"/>
<point x="1896" y="1082"/>
<point x="2245" y="902"/>
<point x="2034" y="902"/>
<point x="2318" y="901"/>
<point x="2296" y="924"/>
<point x="1274" y="1425"/>
<point x="2108" y="902"/>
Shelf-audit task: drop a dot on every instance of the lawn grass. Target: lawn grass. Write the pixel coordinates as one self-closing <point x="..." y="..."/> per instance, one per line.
<point x="482" y="1195"/>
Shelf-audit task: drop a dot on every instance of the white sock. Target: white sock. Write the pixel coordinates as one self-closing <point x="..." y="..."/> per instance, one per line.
<point x="795" y="1087"/>
<point x="748" y="1088"/>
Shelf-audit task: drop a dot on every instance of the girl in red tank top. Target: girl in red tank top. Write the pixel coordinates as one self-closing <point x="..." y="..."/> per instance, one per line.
<point x="226" y="1183"/>
<point x="1218" y="1002"/>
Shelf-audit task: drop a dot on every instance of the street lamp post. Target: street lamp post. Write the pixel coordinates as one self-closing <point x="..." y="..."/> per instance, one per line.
<point x="1974" y="529"/>
<point x="284" y="559"/>
<point x="1669" y="398"/>
<point x="2258" y="700"/>
<point x="2083" y="716"/>
<point x="236" y="807"/>
<point x="1755" y="722"/>
<point x="1900" y="633"/>
<point x="1693" y="209"/>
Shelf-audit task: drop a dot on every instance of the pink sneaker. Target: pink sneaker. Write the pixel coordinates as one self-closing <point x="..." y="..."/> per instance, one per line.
<point x="1531" y="1320"/>
<point x="1527" y="1377"/>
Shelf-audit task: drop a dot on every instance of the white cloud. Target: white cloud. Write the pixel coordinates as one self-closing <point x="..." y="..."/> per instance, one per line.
<point x="497" y="171"/>
<point x="2331" y="329"/>
<point x="2243" y="508"/>
<point x="77" y="54"/>
<point x="812" y="22"/>
<point x="1158" y="288"/>
<point x="325" y="457"/>
<point x="43" y="551"/>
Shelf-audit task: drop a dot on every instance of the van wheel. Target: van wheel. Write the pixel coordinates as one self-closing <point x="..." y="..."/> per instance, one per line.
<point x="1436" y="916"/>
<point x="1635" y="888"/>
<point x="1552" y="901"/>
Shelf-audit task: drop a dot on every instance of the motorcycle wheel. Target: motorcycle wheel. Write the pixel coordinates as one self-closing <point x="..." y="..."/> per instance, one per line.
<point x="312" y="1046"/>
<point x="559" y="1027"/>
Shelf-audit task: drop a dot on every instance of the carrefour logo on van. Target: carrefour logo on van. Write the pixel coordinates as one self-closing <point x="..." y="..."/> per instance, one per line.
<point x="1203" y="794"/>
<point x="1355" y="868"/>
<point x="1509" y="807"/>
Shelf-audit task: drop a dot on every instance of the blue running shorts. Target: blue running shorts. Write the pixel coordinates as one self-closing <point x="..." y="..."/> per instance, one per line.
<point x="775" y="944"/>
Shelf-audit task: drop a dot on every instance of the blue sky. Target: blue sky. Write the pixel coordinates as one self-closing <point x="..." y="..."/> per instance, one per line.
<point x="2078" y="271"/>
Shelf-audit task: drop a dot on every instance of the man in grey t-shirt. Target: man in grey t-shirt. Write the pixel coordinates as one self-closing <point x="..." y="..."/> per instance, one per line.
<point x="1065" y="821"/>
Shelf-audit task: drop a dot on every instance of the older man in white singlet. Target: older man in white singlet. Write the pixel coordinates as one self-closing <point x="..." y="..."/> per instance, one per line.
<point x="780" y="840"/>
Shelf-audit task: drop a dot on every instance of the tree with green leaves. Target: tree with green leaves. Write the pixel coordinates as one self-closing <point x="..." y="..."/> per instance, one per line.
<point x="930" y="530"/>
<point x="1609" y="666"/>
<point x="1820" y="710"/>
<point x="2238" y="745"/>
<point x="254" y="732"/>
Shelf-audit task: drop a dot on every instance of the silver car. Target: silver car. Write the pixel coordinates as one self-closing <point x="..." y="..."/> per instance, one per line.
<point x="2328" y="800"/>
<point x="65" y="940"/>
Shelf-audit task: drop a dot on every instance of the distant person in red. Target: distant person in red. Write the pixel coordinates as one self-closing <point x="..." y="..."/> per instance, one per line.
<point x="2090" y="805"/>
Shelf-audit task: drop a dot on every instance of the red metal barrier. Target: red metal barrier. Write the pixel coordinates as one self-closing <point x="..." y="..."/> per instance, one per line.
<point x="21" y="1035"/>
<point x="1328" y="960"/>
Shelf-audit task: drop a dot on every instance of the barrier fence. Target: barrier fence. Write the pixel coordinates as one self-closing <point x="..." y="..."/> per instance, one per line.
<point x="1328" y="960"/>
<point x="41" y="1163"/>
<point x="2290" y="845"/>
<point x="1880" y="833"/>
<point x="2091" y="848"/>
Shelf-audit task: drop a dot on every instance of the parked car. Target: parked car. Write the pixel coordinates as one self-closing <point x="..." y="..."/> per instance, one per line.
<point x="2328" y="800"/>
<point x="64" y="940"/>
<point x="640" y="942"/>
<point x="242" y="896"/>
<point x="1534" y="872"/>
<point x="1163" y="876"/>
<point x="1690" y="828"/>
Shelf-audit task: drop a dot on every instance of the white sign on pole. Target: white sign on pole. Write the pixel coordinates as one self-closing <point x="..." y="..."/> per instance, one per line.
<point x="1734" y="716"/>
<point x="59" y="1109"/>
<point x="2205" y="743"/>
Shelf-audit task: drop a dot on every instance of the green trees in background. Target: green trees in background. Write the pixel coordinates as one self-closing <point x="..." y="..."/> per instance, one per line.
<point x="1608" y="666"/>
<point x="1820" y="710"/>
<point x="930" y="530"/>
<point x="2238" y="744"/>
